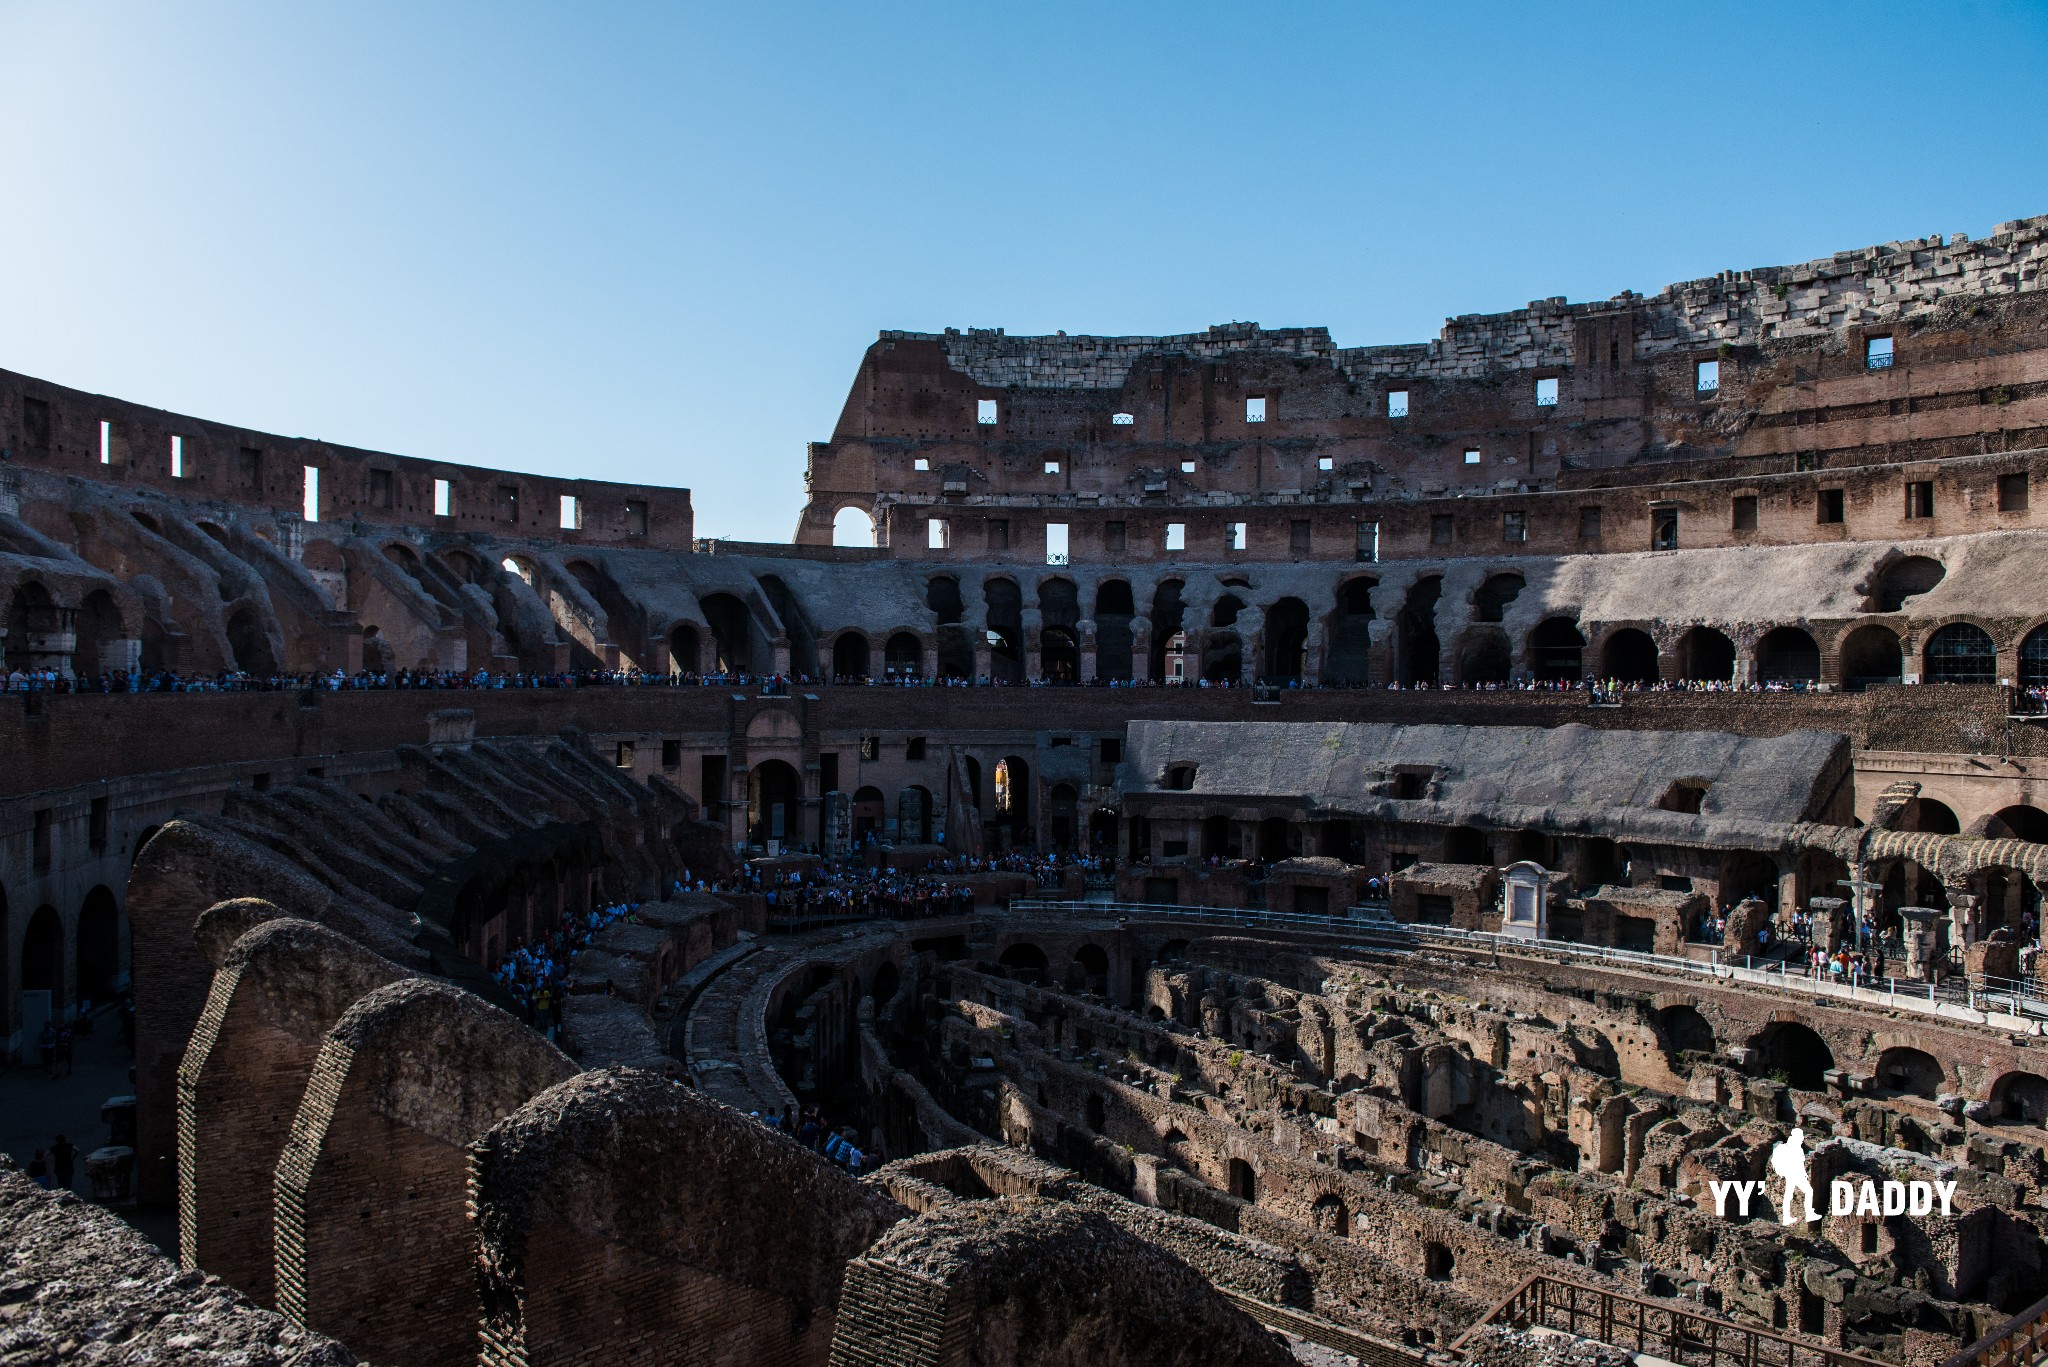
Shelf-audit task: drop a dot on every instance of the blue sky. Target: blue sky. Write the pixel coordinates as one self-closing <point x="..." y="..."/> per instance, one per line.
<point x="649" y="243"/>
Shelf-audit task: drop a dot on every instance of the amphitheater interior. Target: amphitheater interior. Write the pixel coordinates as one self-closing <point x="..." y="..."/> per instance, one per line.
<point x="1385" y="797"/>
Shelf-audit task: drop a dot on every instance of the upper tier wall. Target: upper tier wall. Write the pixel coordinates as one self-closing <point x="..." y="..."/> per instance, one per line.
<point x="45" y="426"/>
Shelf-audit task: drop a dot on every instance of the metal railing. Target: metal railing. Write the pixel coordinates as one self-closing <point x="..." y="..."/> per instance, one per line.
<point x="1691" y="1338"/>
<point x="1368" y="922"/>
<point x="2020" y="1342"/>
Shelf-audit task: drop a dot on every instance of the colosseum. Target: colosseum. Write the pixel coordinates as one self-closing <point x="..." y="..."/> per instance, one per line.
<point x="1268" y="852"/>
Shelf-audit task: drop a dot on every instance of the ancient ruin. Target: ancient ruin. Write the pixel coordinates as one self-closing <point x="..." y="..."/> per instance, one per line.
<point x="1268" y="851"/>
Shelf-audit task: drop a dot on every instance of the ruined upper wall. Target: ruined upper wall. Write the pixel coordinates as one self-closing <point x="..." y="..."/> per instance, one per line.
<point x="48" y="427"/>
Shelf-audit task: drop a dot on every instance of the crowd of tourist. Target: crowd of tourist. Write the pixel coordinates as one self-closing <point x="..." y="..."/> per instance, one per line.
<point x="243" y="681"/>
<point x="536" y="976"/>
<point x="1858" y="954"/>
<point x="852" y="888"/>
<point x="808" y="1128"/>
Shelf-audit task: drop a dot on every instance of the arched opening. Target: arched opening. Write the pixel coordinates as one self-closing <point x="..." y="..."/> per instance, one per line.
<point x="1216" y="833"/>
<point x="1092" y="961"/>
<point x="2022" y="1097"/>
<point x="797" y="626"/>
<point x="1244" y="1181"/>
<point x="1557" y="651"/>
<point x="1328" y="1215"/>
<point x="1793" y="1054"/>
<point x="42" y="956"/>
<point x="903" y="657"/>
<point x="1114" y="610"/>
<point x="1787" y="655"/>
<point x="921" y="833"/>
<point x="775" y="803"/>
<point x="850" y="657"/>
<point x="1349" y="657"/>
<point x="1901" y="580"/>
<point x="1490" y="601"/>
<point x="99" y="629"/>
<point x="956" y="647"/>
<point x="1169" y="619"/>
<point x="1415" y="642"/>
<point x="1098" y="1114"/>
<point x="888" y="981"/>
<point x="1684" y="1031"/>
<point x="1909" y="1072"/>
<point x="1961" y="653"/>
<point x="2019" y="822"/>
<point x="1931" y="816"/>
<point x="1025" y="962"/>
<point x="1278" y="840"/>
<point x="1005" y="630"/>
<point x="870" y="808"/>
<point x="853" y="527"/>
<point x="2034" y="659"/>
<point x="684" y="654"/>
<point x="1173" y="1145"/>
<point x="1010" y="826"/>
<point x="1060" y="815"/>
<point x="732" y="635"/>
<point x="1286" y="641"/>
<point x="99" y="946"/>
<point x="1438" y="1263"/>
<point x="1223" y="657"/>
<point x="1629" y="656"/>
<point x="1484" y="656"/>
<point x="250" y="643"/>
<point x="1706" y="656"/>
<point x="1059" y="655"/>
<point x="1870" y="655"/>
<point x="32" y="618"/>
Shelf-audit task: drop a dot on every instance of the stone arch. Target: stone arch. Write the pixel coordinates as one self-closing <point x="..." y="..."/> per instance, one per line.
<point x="98" y="937"/>
<point x="1348" y="660"/>
<point x="1557" y="651"/>
<point x="903" y="656"/>
<point x="1328" y="1216"/>
<point x="1793" y="1052"/>
<point x="377" y="1159"/>
<point x="1706" y="655"/>
<point x="1914" y="1072"/>
<point x="1683" y="1030"/>
<point x="1490" y="600"/>
<point x="2018" y="822"/>
<point x="1870" y="655"/>
<point x="1169" y="620"/>
<point x="1223" y="657"/>
<point x="621" y="1169"/>
<point x="33" y="620"/>
<point x="1787" y="655"/>
<point x="1115" y="644"/>
<point x="280" y="988"/>
<point x="1929" y="815"/>
<point x="1438" y="1262"/>
<point x="42" y="957"/>
<point x="775" y="803"/>
<point x="1483" y="655"/>
<point x="1091" y="964"/>
<point x="1244" y="1181"/>
<point x="1286" y="641"/>
<point x="249" y="641"/>
<point x="2020" y="1096"/>
<point x="1096" y="1113"/>
<point x="1897" y="581"/>
<point x="99" y="631"/>
<point x="685" y="650"/>
<point x="1629" y="655"/>
<point x="1417" y="648"/>
<point x="850" y="657"/>
<point x="732" y="634"/>
<point x="2033" y="658"/>
<point x="1005" y="604"/>
<point x="853" y="525"/>
<point x="1025" y="961"/>
<point x="1960" y="653"/>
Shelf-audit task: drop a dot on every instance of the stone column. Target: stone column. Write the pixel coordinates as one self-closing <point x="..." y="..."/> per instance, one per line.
<point x="1141" y="649"/>
<point x="1085" y="631"/>
<point x="1312" y="659"/>
<point x="1034" y="626"/>
<point x="1251" y="633"/>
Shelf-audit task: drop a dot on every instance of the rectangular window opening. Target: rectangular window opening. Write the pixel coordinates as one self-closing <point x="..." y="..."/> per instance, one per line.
<point x="999" y="534"/>
<point x="1055" y="543"/>
<point x="1830" y="506"/>
<point x="1234" y="536"/>
<point x="1472" y="457"/>
<point x="1187" y="467"/>
<point x="1589" y="524"/>
<point x="913" y="749"/>
<point x="1664" y="529"/>
<point x="1299" y="530"/>
<point x="1122" y="419"/>
<point x="380" y="488"/>
<point x="1706" y="378"/>
<point x="252" y="467"/>
<point x="311" y="510"/>
<point x="1052" y="467"/>
<point x="985" y="412"/>
<point x="1743" y="508"/>
<point x="177" y="458"/>
<point x="1546" y="392"/>
<point x="444" y="498"/>
<point x="1514" y="526"/>
<point x="1115" y="535"/>
<point x="1176" y="536"/>
<point x="1441" y="529"/>
<point x="572" y="512"/>
<point x="1326" y="463"/>
<point x="106" y="443"/>
<point x="921" y="465"/>
<point x="1369" y="541"/>
<point x="2012" y="493"/>
<point x="936" y="535"/>
<point x="671" y="754"/>
<point x="636" y="517"/>
<point x="1255" y="408"/>
<point x="1877" y="353"/>
<point x="508" y="500"/>
<point x="1397" y="403"/>
<point x="625" y="757"/>
<point x="1919" y="498"/>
